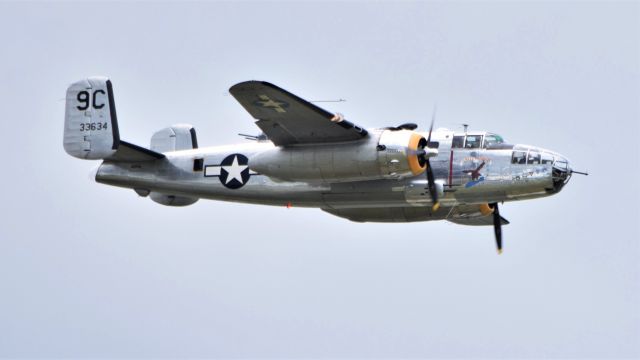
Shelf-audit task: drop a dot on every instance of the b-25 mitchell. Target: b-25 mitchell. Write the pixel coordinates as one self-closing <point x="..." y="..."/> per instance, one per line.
<point x="309" y="157"/>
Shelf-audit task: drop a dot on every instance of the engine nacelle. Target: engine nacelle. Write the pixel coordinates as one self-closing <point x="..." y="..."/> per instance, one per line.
<point x="398" y="153"/>
<point x="485" y="209"/>
<point x="384" y="154"/>
<point x="172" y="200"/>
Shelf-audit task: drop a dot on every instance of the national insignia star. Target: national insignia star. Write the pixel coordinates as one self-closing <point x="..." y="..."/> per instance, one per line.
<point x="234" y="171"/>
<point x="267" y="102"/>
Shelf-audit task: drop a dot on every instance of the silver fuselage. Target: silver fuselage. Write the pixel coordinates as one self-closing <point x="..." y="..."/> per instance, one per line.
<point x="500" y="176"/>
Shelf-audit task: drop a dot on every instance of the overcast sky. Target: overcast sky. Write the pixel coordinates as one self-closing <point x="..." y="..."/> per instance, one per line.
<point x="88" y="270"/>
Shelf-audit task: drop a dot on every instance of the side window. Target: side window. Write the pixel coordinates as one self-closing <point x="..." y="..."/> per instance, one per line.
<point x="534" y="157"/>
<point x="547" y="158"/>
<point x="458" y="142"/>
<point x="197" y="164"/>
<point x="473" y="141"/>
<point x="519" y="157"/>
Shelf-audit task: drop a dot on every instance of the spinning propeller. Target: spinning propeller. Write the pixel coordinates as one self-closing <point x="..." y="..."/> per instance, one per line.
<point x="431" y="185"/>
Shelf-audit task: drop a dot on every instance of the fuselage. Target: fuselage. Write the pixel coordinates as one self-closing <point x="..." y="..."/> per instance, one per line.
<point x="471" y="168"/>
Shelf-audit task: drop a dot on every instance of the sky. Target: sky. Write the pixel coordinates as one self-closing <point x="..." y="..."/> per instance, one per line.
<point x="88" y="270"/>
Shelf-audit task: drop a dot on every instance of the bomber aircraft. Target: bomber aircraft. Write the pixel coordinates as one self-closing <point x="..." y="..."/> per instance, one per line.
<point x="309" y="157"/>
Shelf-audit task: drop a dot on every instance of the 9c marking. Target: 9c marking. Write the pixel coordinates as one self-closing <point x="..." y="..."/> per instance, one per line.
<point x="85" y="100"/>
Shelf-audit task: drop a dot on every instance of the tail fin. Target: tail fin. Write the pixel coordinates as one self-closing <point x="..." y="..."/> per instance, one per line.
<point x="91" y="124"/>
<point x="176" y="137"/>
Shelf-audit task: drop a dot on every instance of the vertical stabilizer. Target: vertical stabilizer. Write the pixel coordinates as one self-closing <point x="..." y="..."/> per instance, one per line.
<point x="90" y="124"/>
<point x="174" y="138"/>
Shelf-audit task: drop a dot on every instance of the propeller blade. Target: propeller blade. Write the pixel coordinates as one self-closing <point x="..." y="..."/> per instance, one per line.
<point x="433" y="120"/>
<point x="497" y="226"/>
<point x="431" y="186"/>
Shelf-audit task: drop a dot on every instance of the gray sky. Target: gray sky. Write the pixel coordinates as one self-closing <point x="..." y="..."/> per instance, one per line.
<point x="93" y="271"/>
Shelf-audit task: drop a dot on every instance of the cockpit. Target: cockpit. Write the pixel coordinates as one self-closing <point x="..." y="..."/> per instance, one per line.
<point x="479" y="141"/>
<point x="522" y="156"/>
<point x="529" y="155"/>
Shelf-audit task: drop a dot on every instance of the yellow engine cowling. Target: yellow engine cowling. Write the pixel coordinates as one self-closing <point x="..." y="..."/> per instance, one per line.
<point x="399" y="152"/>
<point x="485" y="209"/>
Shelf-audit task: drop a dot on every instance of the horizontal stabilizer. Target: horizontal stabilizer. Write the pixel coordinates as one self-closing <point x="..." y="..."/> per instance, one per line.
<point x="128" y="152"/>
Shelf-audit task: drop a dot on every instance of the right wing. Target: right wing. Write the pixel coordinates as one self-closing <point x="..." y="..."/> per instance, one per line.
<point x="288" y="119"/>
<point x="389" y="214"/>
<point x="461" y="214"/>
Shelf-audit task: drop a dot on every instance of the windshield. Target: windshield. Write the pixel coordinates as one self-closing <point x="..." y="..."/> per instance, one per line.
<point x="493" y="139"/>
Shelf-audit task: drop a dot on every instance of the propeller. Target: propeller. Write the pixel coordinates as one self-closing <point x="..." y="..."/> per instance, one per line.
<point x="497" y="226"/>
<point x="431" y="185"/>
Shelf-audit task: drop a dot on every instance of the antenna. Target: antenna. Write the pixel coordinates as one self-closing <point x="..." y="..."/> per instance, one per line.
<point x="249" y="137"/>
<point x="466" y="126"/>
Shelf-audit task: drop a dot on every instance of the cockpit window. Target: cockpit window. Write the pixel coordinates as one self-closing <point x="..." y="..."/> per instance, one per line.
<point x="547" y="158"/>
<point x="473" y="141"/>
<point x="519" y="157"/>
<point x="534" y="157"/>
<point x="492" y="139"/>
<point x="458" y="142"/>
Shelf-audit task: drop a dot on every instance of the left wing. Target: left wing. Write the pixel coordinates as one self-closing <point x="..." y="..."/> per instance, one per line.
<point x="288" y="119"/>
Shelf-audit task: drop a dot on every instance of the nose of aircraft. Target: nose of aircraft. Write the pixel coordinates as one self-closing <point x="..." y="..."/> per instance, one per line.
<point x="560" y="173"/>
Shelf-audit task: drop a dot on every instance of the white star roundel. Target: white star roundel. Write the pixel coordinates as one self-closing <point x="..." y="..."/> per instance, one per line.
<point x="233" y="172"/>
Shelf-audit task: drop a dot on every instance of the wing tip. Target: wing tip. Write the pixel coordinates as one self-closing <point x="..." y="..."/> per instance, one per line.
<point x="250" y="84"/>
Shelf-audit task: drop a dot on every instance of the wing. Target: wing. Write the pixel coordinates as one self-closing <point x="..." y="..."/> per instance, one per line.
<point x="389" y="214"/>
<point x="288" y="119"/>
<point x="463" y="215"/>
